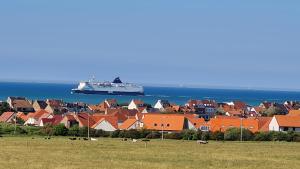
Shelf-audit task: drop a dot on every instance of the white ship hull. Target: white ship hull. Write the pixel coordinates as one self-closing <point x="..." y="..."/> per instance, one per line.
<point x="109" y="88"/>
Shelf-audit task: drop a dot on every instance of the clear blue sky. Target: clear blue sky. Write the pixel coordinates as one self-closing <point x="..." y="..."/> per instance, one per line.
<point x="252" y="44"/>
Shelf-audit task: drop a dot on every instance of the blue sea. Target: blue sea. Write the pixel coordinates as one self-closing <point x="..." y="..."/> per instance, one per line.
<point x="152" y="94"/>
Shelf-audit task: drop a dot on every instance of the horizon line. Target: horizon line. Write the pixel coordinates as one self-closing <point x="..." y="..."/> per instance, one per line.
<point x="193" y="86"/>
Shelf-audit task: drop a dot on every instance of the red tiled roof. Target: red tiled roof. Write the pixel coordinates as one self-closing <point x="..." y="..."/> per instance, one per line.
<point x="6" y="116"/>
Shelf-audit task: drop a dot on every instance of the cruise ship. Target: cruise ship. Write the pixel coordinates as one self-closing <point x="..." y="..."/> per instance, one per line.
<point x="117" y="87"/>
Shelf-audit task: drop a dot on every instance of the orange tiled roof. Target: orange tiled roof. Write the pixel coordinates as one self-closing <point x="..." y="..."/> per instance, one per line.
<point x="22" y="116"/>
<point x="294" y="113"/>
<point x="38" y="114"/>
<point x="128" y="123"/>
<point x="222" y="124"/>
<point x="263" y="123"/>
<point x="168" y="122"/>
<point x="288" y="121"/>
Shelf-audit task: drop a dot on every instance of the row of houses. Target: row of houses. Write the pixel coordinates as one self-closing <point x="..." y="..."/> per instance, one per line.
<point x="21" y="104"/>
<point x="123" y="119"/>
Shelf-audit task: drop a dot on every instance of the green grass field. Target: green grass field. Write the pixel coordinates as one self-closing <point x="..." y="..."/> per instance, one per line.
<point x="113" y="153"/>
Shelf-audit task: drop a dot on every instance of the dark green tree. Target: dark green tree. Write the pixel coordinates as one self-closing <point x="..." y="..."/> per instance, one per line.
<point x="4" y="107"/>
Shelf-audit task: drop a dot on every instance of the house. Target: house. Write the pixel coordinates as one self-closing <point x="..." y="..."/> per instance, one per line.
<point x="106" y="104"/>
<point x="55" y="106"/>
<point x="162" y="105"/>
<point x="20" y="104"/>
<point x="39" y="104"/>
<point x="34" y="119"/>
<point x="69" y="120"/>
<point x="164" y="122"/>
<point x="285" y="123"/>
<point x="131" y="123"/>
<point x="265" y="105"/>
<point x="263" y="123"/>
<point x="8" y="117"/>
<point x="55" y="120"/>
<point x="135" y="104"/>
<point x="195" y="123"/>
<point x="108" y="123"/>
<point x="84" y="120"/>
<point x="222" y="123"/>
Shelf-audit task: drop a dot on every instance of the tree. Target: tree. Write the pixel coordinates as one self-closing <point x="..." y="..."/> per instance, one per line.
<point x="273" y="110"/>
<point x="60" y="130"/>
<point x="4" y="107"/>
<point x="74" y="131"/>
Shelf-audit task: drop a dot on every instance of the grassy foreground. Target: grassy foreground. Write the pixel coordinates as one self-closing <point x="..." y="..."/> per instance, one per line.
<point x="61" y="153"/>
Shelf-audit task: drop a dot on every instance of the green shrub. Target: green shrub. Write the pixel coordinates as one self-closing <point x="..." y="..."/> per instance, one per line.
<point x="74" y="131"/>
<point x="263" y="136"/>
<point x="153" y="135"/>
<point x="234" y="134"/>
<point x="101" y="133"/>
<point x="60" y="130"/>
<point x="176" y="136"/>
<point x="83" y="132"/>
<point x="188" y="134"/>
<point x="218" y="136"/>
<point x="115" y="134"/>
<point x="279" y="136"/>
<point x="144" y="133"/>
<point x="132" y="133"/>
<point x="47" y="130"/>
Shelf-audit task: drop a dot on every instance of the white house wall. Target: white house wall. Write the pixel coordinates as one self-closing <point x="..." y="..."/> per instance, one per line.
<point x="273" y="126"/>
<point x="106" y="126"/>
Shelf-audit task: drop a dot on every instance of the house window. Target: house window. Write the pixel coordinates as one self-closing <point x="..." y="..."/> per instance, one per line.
<point x="285" y="129"/>
<point x="168" y="125"/>
<point x="155" y="124"/>
<point x="195" y="124"/>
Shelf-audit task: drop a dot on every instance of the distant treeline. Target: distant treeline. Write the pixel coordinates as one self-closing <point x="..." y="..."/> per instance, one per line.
<point x="232" y="134"/>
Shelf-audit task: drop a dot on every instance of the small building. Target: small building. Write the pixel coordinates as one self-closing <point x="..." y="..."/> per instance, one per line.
<point x="108" y="123"/>
<point x="136" y="104"/>
<point x="162" y="105"/>
<point x="285" y="123"/>
<point x="39" y="104"/>
<point x="20" y="104"/>
<point x="34" y="119"/>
